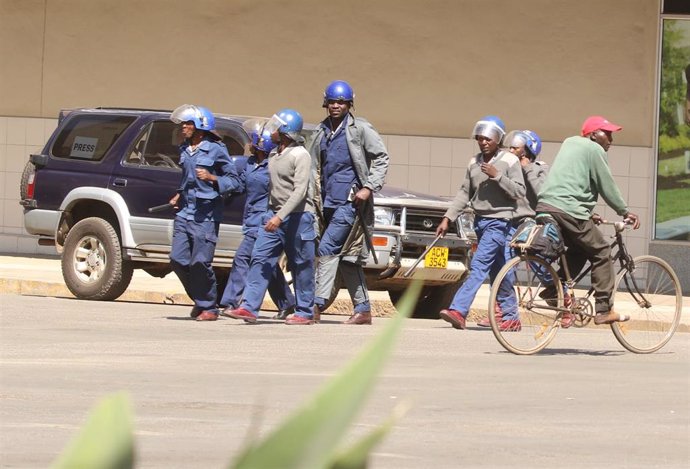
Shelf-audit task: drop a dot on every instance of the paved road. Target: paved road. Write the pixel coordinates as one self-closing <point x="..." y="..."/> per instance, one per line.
<point x="198" y="389"/>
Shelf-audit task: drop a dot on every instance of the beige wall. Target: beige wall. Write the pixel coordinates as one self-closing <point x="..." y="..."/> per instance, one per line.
<point x="427" y="68"/>
<point x="423" y="72"/>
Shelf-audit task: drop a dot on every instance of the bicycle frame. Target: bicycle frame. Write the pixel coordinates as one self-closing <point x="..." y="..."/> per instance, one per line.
<point x="624" y="259"/>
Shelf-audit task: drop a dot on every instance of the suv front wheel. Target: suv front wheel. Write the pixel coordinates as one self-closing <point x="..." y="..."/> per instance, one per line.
<point x="92" y="263"/>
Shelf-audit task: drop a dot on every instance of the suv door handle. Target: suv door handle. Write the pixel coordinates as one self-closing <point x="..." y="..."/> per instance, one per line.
<point x="119" y="182"/>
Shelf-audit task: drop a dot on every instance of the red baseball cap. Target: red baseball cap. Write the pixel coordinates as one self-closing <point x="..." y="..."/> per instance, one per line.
<point x="593" y="123"/>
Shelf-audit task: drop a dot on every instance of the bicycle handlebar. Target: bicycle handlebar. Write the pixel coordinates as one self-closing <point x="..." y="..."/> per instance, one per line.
<point x="619" y="226"/>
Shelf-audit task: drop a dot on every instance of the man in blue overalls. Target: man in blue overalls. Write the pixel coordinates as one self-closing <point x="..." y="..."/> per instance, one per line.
<point x="351" y="164"/>
<point x="288" y="224"/>
<point x="254" y="182"/>
<point x="494" y="186"/>
<point x="207" y="173"/>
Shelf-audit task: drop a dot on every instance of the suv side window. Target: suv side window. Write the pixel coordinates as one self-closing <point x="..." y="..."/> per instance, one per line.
<point x="157" y="145"/>
<point x="233" y="138"/>
<point x="89" y="137"/>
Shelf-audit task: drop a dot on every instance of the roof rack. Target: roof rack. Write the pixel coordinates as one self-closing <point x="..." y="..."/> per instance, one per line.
<point x="108" y="108"/>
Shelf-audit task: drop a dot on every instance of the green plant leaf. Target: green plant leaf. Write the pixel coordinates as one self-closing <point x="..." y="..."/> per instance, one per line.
<point x="106" y="440"/>
<point x="309" y="438"/>
<point x="356" y="456"/>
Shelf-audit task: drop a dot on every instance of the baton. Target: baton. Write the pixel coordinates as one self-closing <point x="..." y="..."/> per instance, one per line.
<point x="363" y="224"/>
<point x="367" y="234"/>
<point x="419" y="259"/>
<point x="160" y="208"/>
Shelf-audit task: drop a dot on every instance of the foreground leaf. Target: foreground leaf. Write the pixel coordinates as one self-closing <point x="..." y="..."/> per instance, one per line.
<point x="357" y="455"/>
<point x="106" y="441"/>
<point x="308" y="439"/>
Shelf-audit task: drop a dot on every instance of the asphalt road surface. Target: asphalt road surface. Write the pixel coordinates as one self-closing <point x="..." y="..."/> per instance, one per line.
<point x="200" y="390"/>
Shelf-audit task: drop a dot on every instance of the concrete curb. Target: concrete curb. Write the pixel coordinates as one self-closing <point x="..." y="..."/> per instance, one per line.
<point x="380" y="308"/>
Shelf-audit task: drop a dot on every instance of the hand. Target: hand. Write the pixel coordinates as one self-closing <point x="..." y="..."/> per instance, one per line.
<point x="442" y="227"/>
<point x="204" y="175"/>
<point x="489" y="169"/>
<point x="273" y="224"/>
<point x="174" y="200"/>
<point x="596" y="218"/>
<point x="524" y="161"/>
<point x="631" y="217"/>
<point x="361" y="196"/>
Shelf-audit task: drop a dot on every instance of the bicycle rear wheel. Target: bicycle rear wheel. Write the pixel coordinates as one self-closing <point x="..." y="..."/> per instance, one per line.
<point x="651" y="294"/>
<point x="537" y="291"/>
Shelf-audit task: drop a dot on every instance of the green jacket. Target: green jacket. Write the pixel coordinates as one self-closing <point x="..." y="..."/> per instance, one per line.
<point x="578" y="176"/>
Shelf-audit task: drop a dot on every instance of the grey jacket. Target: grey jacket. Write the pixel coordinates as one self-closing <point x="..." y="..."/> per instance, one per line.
<point x="491" y="197"/>
<point x="370" y="161"/>
<point x="534" y="174"/>
<point x="289" y="177"/>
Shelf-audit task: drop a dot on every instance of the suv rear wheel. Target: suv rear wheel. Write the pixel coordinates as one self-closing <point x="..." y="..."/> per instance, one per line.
<point x="431" y="300"/>
<point x="92" y="263"/>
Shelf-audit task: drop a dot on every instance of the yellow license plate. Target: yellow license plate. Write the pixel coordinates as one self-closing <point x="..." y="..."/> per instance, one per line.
<point x="436" y="258"/>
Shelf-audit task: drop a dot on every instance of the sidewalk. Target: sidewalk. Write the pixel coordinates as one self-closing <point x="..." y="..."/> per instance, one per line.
<point x="42" y="276"/>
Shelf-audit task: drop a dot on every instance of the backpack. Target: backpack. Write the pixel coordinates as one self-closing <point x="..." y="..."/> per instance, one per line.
<point x="540" y="237"/>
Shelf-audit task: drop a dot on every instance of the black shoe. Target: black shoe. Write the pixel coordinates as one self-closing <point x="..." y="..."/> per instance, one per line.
<point x="549" y="294"/>
<point x="283" y="314"/>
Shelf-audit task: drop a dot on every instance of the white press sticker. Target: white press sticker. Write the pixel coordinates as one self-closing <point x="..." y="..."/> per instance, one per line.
<point x="84" y="147"/>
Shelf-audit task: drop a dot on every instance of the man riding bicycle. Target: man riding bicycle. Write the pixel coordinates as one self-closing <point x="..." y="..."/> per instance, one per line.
<point x="580" y="174"/>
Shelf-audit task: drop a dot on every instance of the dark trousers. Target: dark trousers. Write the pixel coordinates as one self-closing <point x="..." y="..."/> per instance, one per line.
<point x="297" y="237"/>
<point x="277" y="286"/>
<point x="191" y="255"/>
<point x="586" y="243"/>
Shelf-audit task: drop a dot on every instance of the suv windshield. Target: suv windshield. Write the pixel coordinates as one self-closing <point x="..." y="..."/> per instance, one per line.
<point x="89" y="137"/>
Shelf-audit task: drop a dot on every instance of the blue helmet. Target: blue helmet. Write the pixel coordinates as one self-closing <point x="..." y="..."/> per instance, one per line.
<point x="490" y="127"/>
<point x="526" y="138"/>
<point x="261" y="140"/>
<point x="533" y="144"/>
<point x="293" y="123"/>
<point x="203" y="118"/>
<point x="337" y="90"/>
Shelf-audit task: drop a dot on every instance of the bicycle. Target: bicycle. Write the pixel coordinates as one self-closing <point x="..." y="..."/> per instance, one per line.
<point x="646" y="283"/>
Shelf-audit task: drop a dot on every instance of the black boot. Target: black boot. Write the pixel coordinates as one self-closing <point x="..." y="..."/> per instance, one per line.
<point x="284" y="313"/>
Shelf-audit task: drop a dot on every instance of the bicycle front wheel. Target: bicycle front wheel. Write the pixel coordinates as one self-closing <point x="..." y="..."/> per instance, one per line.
<point x="531" y="288"/>
<point x="651" y="294"/>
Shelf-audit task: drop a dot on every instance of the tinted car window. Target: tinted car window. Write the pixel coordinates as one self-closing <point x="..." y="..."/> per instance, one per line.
<point x="233" y="138"/>
<point x="157" y="145"/>
<point x="89" y="137"/>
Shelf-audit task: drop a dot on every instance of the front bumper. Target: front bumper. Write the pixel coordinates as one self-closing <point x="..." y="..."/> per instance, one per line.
<point x="401" y="251"/>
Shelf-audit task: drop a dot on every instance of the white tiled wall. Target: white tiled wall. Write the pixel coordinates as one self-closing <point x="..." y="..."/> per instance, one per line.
<point x="19" y="137"/>
<point x="426" y="164"/>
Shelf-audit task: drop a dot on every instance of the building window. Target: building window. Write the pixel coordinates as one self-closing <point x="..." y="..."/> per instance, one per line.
<point x="673" y="163"/>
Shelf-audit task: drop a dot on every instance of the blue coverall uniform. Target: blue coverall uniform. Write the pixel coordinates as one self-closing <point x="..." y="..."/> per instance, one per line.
<point x="195" y="229"/>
